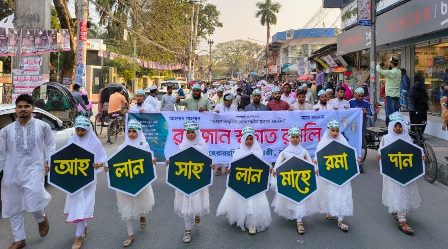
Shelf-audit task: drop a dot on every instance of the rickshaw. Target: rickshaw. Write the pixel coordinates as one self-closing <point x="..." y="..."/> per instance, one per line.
<point x="102" y="119"/>
<point x="58" y="101"/>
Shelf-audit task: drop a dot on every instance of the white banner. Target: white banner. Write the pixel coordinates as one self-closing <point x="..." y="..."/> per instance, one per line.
<point x="222" y="132"/>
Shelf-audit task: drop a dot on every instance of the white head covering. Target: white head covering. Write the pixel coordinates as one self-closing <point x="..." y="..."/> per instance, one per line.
<point x="90" y="141"/>
<point x="294" y="149"/>
<point x="140" y="142"/>
<point x="359" y="90"/>
<point x="320" y="93"/>
<point x="391" y="136"/>
<point x="243" y="149"/>
<point x="327" y="138"/>
<point x="198" y="143"/>
<point x="153" y="87"/>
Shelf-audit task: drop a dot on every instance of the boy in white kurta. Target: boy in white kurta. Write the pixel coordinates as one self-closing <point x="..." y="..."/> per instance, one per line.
<point x="192" y="207"/>
<point x="334" y="200"/>
<point x="138" y="207"/>
<point x="25" y="148"/>
<point x="282" y="206"/>
<point x="79" y="207"/>
<point x="255" y="213"/>
<point x="399" y="199"/>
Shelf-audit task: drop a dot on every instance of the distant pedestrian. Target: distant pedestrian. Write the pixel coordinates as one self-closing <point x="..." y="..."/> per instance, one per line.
<point x="392" y="87"/>
<point x="320" y="78"/>
<point x="168" y="100"/>
<point x="418" y="103"/>
<point x="152" y="97"/>
<point x="404" y="90"/>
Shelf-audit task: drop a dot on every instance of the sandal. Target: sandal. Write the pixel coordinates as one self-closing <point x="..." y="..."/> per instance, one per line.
<point x="342" y="226"/>
<point x="129" y="241"/>
<point x="252" y="230"/>
<point x="143" y="222"/>
<point x="187" y="236"/>
<point x="329" y="217"/>
<point x="197" y="220"/>
<point x="405" y="228"/>
<point x="395" y="215"/>
<point x="300" y="228"/>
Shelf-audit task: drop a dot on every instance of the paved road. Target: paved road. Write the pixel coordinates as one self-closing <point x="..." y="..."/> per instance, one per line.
<point x="371" y="226"/>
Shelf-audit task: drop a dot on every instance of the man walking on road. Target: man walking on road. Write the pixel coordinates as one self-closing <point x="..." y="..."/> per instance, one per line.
<point x="393" y="79"/>
<point x="196" y="102"/>
<point x="320" y="78"/>
<point x="168" y="100"/>
<point x="25" y="149"/>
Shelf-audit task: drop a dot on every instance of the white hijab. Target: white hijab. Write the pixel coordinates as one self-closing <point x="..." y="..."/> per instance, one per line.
<point x="244" y="150"/>
<point x="140" y="142"/>
<point x="91" y="143"/>
<point x="392" y="136"/>
<point x="198" y="143"/>
<point x="326" y="139"/>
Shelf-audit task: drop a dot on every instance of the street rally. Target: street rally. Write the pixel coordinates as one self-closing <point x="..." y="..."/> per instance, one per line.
<point x="309" y="176"/>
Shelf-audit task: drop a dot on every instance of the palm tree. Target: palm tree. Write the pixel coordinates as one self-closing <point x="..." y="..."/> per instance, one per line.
<point x="267" y="11"/>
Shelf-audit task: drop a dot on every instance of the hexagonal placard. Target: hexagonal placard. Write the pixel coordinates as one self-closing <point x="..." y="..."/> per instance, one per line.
<point x="402" y="162"/>
<point x="189" y="171"/>
<point x="337" y="163"/>
<point x="71" y="169"/>
<point x="249" y="176"/>
<point x="296" y="179"/>
<point x="131" y="170"/>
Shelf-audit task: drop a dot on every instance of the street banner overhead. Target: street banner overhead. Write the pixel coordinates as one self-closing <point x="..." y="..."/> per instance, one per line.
<point x="222" y="132"/>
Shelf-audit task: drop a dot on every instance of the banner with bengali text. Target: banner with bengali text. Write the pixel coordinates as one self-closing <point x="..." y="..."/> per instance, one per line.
<point x="222" y="132"/>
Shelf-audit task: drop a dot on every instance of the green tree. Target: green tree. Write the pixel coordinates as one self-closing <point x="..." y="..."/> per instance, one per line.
<point x="6" y="8"/>
<point x="208" y="20"/>
<point x="236" y="56"/>
<point x="267" y="11"/>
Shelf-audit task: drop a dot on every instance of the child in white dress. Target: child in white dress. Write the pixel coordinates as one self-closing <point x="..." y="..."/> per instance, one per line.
<point x="282" y="206"/>
<point x="399" y="199"/>
<point x="255" y="213"/>
<point x="334" y="200"/>
<point x="138" y="207"/>
<point x="192" y="207"/>
<point x="79" y="207"/>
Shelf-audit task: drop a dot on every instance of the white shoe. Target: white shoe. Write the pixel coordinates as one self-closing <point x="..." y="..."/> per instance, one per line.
<point x="187" y="237"/>
<point x="252" y="230"/>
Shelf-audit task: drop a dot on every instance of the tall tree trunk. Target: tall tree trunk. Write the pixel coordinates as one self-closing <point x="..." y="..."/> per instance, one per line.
<point x="268" y="34"/>
<point x="69" y="58"/>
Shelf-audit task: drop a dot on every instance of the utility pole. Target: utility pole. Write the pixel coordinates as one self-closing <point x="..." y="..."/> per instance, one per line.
<point x="373" y="84"/>
<point x="83" y="14"/>
<point x="190" y="52"/>
<point x="210" y="42"/>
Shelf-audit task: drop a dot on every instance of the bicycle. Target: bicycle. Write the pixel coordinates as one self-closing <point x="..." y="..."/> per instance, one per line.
<point x="431" y="166"/>
<point x="115" y="127"/>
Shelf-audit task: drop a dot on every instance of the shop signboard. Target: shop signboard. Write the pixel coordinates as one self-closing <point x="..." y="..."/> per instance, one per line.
<point x="355" y="39"/>
<point x="364" y="13"/>
<point x="414" y="18"/>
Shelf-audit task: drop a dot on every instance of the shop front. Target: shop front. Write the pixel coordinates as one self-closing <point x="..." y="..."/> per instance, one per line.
<point x="415" y="32"/>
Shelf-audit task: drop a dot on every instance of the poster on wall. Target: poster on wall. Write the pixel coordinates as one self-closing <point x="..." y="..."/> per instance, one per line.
<point x="52" y="40"/>
<point x="65" y="40"/>
<point x="14" y="37"/>
<point x="41" y="41"/>
<point x="28" y="42"/>
<point x="364" y="12"/>
<point x="4" y="42"/>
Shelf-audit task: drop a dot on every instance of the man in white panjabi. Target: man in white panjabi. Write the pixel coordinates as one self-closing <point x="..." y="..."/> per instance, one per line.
<point x="323" y="102"/>
<point x="25" y="148"/>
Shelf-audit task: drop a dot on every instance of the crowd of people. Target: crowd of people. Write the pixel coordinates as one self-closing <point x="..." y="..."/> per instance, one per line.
<point x="27" y="144"/>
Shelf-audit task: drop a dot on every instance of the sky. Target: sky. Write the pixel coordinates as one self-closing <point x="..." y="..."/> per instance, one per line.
<point x="238" y="18"/>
